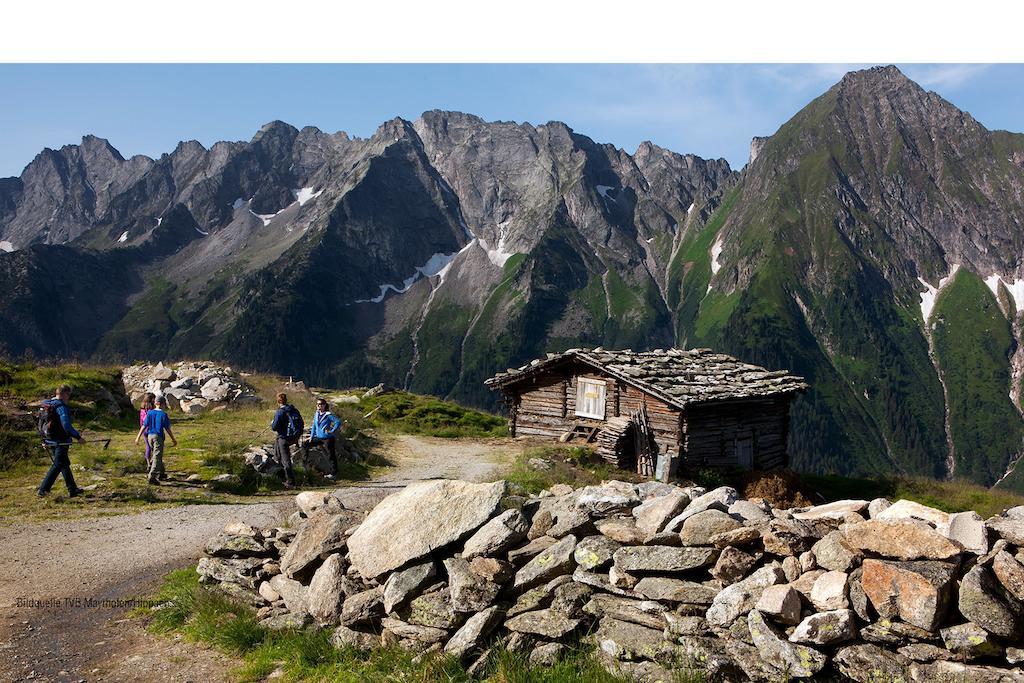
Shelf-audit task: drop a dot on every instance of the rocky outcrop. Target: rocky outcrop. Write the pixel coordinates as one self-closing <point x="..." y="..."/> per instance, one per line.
<point x="191" y="387"/>
<point x="440" y="567"/>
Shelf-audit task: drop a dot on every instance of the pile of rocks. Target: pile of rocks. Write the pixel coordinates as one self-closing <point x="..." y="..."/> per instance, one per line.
<point x="192" y="387"/>
<point x="658" y="577"/>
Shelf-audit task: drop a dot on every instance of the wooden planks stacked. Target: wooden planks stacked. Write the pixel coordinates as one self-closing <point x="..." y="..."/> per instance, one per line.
<point x="614" y="441"/>
<point x="643" y="444"/>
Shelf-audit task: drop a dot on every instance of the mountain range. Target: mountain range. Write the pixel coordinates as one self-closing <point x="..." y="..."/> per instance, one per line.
<point x="873" y="244"/>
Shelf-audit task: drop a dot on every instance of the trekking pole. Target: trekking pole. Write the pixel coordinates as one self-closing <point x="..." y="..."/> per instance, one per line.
<point x="256" y="438"/>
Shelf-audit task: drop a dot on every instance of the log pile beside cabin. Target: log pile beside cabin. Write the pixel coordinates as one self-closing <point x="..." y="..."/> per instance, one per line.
<point x="703" y="409"/>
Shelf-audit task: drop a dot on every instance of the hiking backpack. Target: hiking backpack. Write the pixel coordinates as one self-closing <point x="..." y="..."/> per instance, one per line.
<point x="48" y="423"/>
<point x="295" y="424"/>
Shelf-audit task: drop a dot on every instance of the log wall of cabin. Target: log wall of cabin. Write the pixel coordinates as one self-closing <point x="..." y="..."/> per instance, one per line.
<point x="710" y="433"/>
<point x="545" y="405"/>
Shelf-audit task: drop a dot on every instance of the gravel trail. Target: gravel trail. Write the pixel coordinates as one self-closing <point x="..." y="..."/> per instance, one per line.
<point x="108" y="560"/>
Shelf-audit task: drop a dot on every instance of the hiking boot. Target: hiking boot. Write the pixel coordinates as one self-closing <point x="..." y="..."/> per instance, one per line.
<point x="42" y="494"/>
<point x="162" y="476"/>
<point x="76" y="492"/>
<point x="154" y="481"/>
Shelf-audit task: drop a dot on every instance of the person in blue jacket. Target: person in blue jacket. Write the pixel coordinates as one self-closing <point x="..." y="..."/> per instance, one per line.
<point x="58" y="440"/>
<point x="323" y="431"/>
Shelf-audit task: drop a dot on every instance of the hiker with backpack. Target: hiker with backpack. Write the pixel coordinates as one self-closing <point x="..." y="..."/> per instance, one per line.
<point x="288" y="426"/>
<point x="148" y="403"/>
<point x="323" y="431"/>
<point x="55" y="427"/>
<point x="156" y="424"/>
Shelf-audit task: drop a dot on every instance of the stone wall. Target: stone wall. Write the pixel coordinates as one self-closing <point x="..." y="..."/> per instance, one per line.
<point x="191" y="387"/>
<point x="656" y="576"/>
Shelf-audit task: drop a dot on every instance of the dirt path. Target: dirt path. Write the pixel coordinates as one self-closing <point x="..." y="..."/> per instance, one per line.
<point x="65" y="565"/>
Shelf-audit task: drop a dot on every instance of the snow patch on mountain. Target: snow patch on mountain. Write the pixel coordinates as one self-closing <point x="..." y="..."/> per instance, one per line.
<point x="201" y="232"/>
<point x="6" y="246"/>
<point x="304" y="194"/>
<point x="931" y="293"/>
<point x="1015" y="289"/>
<point x="123" y="237"/>
<point x="265" y="217"/>
<point x="238" y="204"/>
<point x="437" y="264"/>
<point x="716" y="251"/>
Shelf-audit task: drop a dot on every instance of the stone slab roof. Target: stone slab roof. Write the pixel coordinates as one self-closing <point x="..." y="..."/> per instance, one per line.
<point x="679" y="377"/>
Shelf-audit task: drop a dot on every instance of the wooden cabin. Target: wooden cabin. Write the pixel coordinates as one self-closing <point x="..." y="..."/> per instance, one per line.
<point x="655" y="411"/>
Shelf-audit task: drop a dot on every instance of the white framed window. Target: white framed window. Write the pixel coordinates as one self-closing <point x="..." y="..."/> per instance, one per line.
<point x="590" y="398"/>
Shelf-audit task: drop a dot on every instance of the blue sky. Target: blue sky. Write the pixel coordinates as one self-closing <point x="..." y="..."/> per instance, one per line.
<point x="708" y="109"/>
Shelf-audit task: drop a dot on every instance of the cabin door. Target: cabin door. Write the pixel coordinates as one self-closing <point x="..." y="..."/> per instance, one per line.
<point x="745" y="453"/>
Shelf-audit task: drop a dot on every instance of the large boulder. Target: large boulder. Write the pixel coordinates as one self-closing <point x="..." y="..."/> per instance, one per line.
<point x="901" y="539"/>
<point x="326" y="593"/>
<point x="916" y="592"/>
<point x="418" y="520"/>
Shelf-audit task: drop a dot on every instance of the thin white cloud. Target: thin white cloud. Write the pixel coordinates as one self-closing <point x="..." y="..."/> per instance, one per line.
<point x="945" y="76"/>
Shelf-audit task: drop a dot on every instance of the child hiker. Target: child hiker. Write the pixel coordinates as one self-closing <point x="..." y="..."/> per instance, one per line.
<point x="148" y="403"/>
<point x="156" y="424"/>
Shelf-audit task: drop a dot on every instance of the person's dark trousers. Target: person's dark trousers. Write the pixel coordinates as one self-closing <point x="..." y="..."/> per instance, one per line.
<point x="283" y="451"/>
<point x="61" y="466"/>
<point x="327" y="443"/>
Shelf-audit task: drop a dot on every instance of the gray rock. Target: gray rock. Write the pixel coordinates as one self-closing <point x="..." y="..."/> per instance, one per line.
<point x="547" y="654"/>
<point x="836" y="510"/>
<point x="594" y="552"/>
<point x="421" y="518"/>
<point x="877" y="507"/>
<point x="718" y="499"/>
<point x="555" y="561"/>
<point x="498" y="535"/>
<point x="698" y="528"/>
<point x="292" y="592"/>
<point x="798" y="661"/>
<point x="908" y="509"/>
<point x="433" y="608"/>
<point x="649" y="613"/>
<point x="784" y="537"/>
<point x="831" y="591"/>
<point x="969" y="530"/>
<point x="243" y="571"/>
<point x="750" y="512"/>
<point x="286" y="621"/>
<point x="490" y="569"/>
<point x="343" y="636"/>
<point x="872" y="664"/>
<point x="326" y="594"/>
<point x="545" y="622"/>
<point x="741" y="536"/>
<point x="1015" y="655"/>
<point x="323" y="533"/>
<point x="675" y="590"/>
<point x="663" y="559"/>
<point x="970" y="641"/>
<point x="739" y="598"/>
<point x="826" y="628"/>
<point x="469" y="592"/>
<point x="654" y="513"/>
<point x="403" y="585"/>
<point x="955" y="672"/>
<point x="531" y="549"/>
<point x="569" y="598"/>
<point x="985" y="602"/>
<point x="925" y="652"/>
<point x="834" y="553"/>
<point x="620" y="578"/>
<point x="363" y="607"/>
<point x="608" y="497"/>
<point x="858" y="598"/>
<point x="621" y="529"/>
<point x="780" y="603"/>
<point x="471" y="636"/>
<point x="680" y="625"/>
<point x="602" y="583"/>
<point x="896" y="633"/>
<point x="539" y="597"/>
<point x="629" y="642"/>
<point x="791" y="568"/>
<point x="402" y="629"/>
